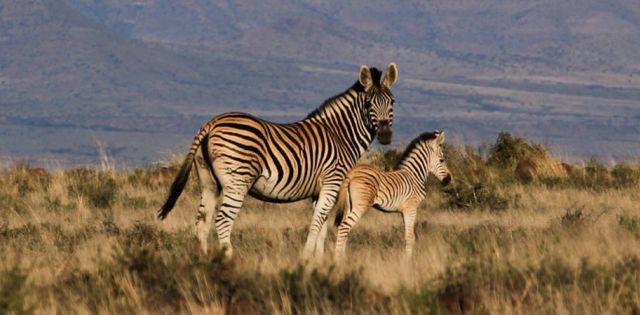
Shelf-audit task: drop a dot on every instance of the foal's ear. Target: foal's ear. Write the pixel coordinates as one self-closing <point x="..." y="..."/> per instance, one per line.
<point x="365" y="77"/>
<point x="391" y="75"/>
<point x="440" y="137"/>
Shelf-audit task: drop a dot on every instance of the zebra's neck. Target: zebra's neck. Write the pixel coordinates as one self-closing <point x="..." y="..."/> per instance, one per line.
<point x="346" y="114"/>
<point x="416" y="163"/>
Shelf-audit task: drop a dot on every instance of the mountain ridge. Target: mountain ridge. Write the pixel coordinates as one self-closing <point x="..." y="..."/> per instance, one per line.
<point x="144" y="75"/>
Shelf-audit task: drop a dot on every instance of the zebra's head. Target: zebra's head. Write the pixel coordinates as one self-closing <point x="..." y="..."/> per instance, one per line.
<point x="379" y="99"/>
<point x="436" y="164"/>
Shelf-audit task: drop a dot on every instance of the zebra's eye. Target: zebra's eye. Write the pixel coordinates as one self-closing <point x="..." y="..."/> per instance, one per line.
<point x="441" y="160"/>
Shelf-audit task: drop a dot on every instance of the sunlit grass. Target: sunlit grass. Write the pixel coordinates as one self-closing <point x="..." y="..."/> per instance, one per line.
<point x="88" y="241"/>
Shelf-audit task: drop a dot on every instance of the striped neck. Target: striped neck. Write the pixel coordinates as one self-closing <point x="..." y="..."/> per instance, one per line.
<point x="346" y="113"/>
<point x="416" y="160"/>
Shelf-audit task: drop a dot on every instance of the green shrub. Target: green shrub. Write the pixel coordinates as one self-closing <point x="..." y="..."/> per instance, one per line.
<point x="630" y="223"/>
<point x="147" y="236"/>
<point x="479" y="196"/>
<point x="467" y="287"/>
<point x="27" y="236"/>
<point x="575" y="217"/>
<point x="136" y="203"/>
<point x="466" y="165"/>
<point x="13" y="292"/>
<point x="10" y="202"/>
<point x="27" y="179"/>
<point x="308" y="291"/>
<point x="623" y="175"/>
<point x="100" y="189"/>
<point x="508" y="150"/>
<point x="385" y="159"/>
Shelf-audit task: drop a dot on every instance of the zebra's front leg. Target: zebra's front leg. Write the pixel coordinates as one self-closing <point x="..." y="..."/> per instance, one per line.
<point x="409" y="218"/>
<point x="323" y="205"/>
<point x="319" y="252"/>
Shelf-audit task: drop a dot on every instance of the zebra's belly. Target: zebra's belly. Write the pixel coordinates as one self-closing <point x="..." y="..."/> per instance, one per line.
<point x="386" y="205"/>
<point x="269" y="189"/>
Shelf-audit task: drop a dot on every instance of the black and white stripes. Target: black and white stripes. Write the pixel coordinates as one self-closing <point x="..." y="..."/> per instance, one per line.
<point x="237" y="154"/>
<point x="402" y="189"/>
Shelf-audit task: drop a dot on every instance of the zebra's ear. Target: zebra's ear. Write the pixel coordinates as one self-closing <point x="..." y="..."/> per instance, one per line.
<point x="391" y="75"/>
<point x="365" y="77"/>
<point x="440" y="136"/>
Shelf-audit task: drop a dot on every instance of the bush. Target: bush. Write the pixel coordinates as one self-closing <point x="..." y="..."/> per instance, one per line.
<point x="146" y="236"/>
<point x="309" y="290"/>
<point x="100" y="189"/>
<point x="508" y="150"/>
<point x="479" y="196"/>
<point x="630" y="223"/>
<point x="573" y="218"/>
<point x="28" y="179"/>
<point x="13" y="290"/>
<point x="468" y="288"/>
<point x="623" y="175"/>
<point x="384" y="159"/>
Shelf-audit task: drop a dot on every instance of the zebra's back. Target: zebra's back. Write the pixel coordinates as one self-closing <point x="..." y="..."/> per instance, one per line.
<point x="286" y="161"/>
<point x="388" y="190"/>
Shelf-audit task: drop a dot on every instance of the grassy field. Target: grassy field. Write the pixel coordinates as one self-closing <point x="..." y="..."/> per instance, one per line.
<point x="517" y="232"/>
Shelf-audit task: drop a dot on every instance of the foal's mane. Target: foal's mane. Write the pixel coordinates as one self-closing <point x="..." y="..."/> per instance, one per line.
<point x="426" y="136"/>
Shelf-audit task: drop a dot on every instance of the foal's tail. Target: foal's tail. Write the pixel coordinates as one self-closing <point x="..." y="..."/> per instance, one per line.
<point x="343" y="204"/>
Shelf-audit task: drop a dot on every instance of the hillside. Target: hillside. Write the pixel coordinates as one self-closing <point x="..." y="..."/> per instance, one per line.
<point x="142" y="76"/>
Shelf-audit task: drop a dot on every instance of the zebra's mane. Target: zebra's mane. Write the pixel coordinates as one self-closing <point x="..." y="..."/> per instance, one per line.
<point x="414" y="143"/>
<point x="375" y="76"/>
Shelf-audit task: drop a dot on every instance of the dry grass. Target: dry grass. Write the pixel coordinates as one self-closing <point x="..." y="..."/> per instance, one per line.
<point x="85" y="241"/>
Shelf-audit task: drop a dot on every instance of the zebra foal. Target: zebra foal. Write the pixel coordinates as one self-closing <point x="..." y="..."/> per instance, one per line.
<point x="236" y="154"/>
<point x="400" y="190"/>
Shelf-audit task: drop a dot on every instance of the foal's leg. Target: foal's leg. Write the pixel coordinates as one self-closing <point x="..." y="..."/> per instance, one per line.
<point x="361" y="203"/>
<point x="409" y="218"/>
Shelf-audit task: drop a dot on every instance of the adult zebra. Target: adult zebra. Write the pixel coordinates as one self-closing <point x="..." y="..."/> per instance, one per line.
<point x="236" y="154"/>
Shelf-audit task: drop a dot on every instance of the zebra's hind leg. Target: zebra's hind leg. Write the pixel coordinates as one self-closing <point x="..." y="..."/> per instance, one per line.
<point x="233" y="195"/>
<point x="348" y="222"/>
<point x="208" y="199"/>
<point x="325" y="202"/>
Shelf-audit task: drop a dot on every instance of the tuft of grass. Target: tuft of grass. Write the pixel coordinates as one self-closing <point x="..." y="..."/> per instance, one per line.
<point x="14" y="289"/>
<point x="99" y="188"/>
<point x="479" y="196"/>
<point x="630" y="223"/>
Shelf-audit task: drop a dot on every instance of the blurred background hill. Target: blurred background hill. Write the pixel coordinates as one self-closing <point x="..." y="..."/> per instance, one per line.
<point x="142" y="76"/>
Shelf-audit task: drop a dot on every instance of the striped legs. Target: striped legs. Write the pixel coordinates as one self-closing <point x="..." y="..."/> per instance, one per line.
<point x="232" y="198"/>
<point x="208" y="200"/>
<point x="321" y="239"/>
<point x="317" y="228"/>
<point x="409" y="219"/>
<point x="350" y="219"/>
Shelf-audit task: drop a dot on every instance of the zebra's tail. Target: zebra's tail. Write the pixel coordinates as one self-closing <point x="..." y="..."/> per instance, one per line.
<point x="183" y="175"/>
<point x="343" y="204"/>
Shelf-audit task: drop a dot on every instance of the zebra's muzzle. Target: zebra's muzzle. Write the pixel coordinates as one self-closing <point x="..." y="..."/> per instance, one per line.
<point x="446" y="180"/>
<point x="384" y="132"/>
